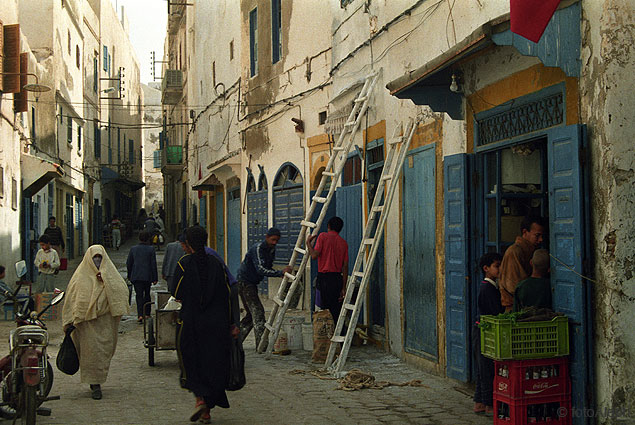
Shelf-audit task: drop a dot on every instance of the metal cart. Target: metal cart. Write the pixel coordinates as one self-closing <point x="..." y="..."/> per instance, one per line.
<point x="159" y="330"/>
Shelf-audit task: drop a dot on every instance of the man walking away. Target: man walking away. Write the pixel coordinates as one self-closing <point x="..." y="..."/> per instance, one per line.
<point x="115" y="228"/>
<point x="331" y="251"/>
<point x="256" y="265"/>
<point x="515" y="266"/>
<point x="142" y="272"/>
<point x="47" y="262"/>
<point x="57" y="239"/>
<point x="173" y="252"/>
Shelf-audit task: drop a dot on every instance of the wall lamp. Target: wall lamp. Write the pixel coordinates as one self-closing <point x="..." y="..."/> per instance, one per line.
<point x="455" y="86"/>
<point x="35" y="87"/>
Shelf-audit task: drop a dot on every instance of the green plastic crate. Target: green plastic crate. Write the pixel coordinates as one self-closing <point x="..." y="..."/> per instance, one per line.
<point x="502" y="339"/>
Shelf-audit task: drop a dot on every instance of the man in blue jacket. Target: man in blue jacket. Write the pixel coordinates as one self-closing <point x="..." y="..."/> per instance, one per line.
<point x="142" y="272"/>
<point x="258" y="263"/>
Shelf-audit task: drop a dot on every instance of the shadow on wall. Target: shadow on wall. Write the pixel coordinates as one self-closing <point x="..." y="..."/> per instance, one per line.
<point x="10" y="254"/>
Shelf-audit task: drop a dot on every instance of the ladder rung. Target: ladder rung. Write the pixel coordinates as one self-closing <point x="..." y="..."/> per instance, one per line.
<point x="339" y="148"/>
<point x="328" y="173"/>
<point x="349" y="124"/>
<point x="361" y="99"/>
<point x="289" y="276"/>
<point x="278" y="301"/>
<point x="319" y="199"/>
<point x="300" y="250"/>
<point x="308" y="224"/>
<point x="350" y="307"/>
<point x="358" y="274"/>
<point x="338" y="339"/>
<point x="378" y="208"/>
<point x="269" y="327"/>
<point x="388" y="177"/>
<point x="369" y="241"/>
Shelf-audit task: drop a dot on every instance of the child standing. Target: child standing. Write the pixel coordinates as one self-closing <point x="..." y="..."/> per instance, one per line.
<point x="489" y="303"/>
<point x="47" y="262"/>
<point x="535" y="291"/>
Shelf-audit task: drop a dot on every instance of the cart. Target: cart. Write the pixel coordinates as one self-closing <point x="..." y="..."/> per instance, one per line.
<point x="159" y="331"/>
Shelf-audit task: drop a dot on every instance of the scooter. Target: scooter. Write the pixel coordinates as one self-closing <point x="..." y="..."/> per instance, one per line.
<point x="26" y="374"/>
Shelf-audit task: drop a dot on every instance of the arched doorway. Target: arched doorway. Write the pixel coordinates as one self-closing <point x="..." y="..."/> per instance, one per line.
<point x="288" y="209"/>
<point x="257" y="211"/>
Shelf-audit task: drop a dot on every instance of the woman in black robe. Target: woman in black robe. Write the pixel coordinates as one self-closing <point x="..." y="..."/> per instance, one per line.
<point x="203" y="340"/>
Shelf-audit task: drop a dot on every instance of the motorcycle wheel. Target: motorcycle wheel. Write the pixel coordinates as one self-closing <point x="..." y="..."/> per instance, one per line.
<point x="151" y="341"/>
<point x="48" y="382"/>
<point x="28" y="404"/>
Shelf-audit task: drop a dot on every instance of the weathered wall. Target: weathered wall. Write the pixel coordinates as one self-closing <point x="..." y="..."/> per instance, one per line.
<point x="152" y="119"/>
<point x="607" y="86"/>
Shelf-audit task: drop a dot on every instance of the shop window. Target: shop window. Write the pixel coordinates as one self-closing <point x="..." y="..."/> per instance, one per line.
<point x="515" y="187"/>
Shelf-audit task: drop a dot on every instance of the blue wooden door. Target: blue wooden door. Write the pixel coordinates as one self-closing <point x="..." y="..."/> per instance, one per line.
<point x="349" y="208"/>
<point x="456" y="266"/>
<point x="233" y="229"/>
<point x="220" y="225"/>
<point x="419" y="284"/>
<point x="568" y="244"/>
<point x="377" y="281"/>
<point x="257" y="208"/>
<point x="202" y="211"/>
<point x="79" y="222"/>
<point x="287" y="214"/>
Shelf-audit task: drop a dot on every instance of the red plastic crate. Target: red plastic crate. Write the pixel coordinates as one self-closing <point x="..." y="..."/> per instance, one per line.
<point x="516" y="385"/>
<point x="554" y="410"/>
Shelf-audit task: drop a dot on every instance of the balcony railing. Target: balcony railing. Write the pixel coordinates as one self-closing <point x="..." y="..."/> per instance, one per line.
<point x="172" y="87"/>
<point x="173" y="155"/>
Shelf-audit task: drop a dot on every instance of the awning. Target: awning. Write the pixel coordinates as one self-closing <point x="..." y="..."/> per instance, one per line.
<point x="207" y="183"/>
<point x="110" y="176"/>
<point x="430" y="83"/>
<point x="36" y="173"/>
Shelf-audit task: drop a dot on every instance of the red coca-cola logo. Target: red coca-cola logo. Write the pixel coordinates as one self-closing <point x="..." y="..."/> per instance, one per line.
<point x="502" y="386"/>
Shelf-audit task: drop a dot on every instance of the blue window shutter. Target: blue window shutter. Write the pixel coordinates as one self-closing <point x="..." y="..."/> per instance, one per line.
<point x="95" y="75"/>
<point x="456" y="266"/>
<point x="275" y="31"/>
<point x="253" y="42"/>
<point x="105" y="59"/>
<point x="568" y="244"/>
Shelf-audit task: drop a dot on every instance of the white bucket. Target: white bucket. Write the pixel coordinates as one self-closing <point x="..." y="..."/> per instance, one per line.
<point x="307" y="336"/>
<point x="293" y="327"/>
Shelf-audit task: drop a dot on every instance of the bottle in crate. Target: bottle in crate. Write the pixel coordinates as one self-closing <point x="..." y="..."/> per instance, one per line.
<point x="532" y="378"/>
<point x="555" y="410"/>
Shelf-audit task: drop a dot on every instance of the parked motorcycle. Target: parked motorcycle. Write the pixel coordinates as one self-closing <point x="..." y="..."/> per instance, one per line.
<point x="27" y="375"/>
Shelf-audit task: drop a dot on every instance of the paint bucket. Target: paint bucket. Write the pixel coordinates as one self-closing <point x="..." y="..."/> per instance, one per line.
<point x="307" y="336"/>
<point x="293" y="327"/>
<point x="281" y="343"/>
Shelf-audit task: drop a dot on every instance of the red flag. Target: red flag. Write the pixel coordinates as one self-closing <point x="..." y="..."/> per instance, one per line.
<point x="529" y="18"/>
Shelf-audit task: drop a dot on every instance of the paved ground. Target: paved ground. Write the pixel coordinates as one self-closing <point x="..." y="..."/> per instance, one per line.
<point x="138" y="394"/>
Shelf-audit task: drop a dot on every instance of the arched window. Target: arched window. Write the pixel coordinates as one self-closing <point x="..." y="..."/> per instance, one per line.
<point x="251" y="183"/>
<point x="288" y="176"/>
<point x="262" y="181"/>
<point x="288" y="209"/>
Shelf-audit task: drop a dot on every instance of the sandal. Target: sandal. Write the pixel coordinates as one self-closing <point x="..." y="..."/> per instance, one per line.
<point x="199" y="411"/>
<point x="205" y="418"/>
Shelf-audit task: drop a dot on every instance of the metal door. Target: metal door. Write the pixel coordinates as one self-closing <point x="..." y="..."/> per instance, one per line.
<point x="456" y="266"/>
<point x="233" y="229"/>
<point x="419" y="282"/>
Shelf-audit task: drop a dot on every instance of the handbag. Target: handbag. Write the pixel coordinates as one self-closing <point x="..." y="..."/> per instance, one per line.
<point x="67" y="360"/>
<point x="236" y="379"/>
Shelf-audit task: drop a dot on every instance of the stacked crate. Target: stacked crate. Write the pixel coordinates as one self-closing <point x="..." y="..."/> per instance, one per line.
<point x="531" y="379"/>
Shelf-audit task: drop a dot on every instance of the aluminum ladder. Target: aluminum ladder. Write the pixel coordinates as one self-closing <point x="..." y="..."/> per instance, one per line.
<point x="373" y="233"/>
<point x="332" y="171"/>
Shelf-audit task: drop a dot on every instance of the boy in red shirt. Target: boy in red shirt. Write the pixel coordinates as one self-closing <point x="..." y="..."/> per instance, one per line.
<point x="331" y="251"/>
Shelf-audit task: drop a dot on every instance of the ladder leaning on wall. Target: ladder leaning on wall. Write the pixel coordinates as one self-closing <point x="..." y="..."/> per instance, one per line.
<point x="373" y="231"/>
<point x="332" y="172"/>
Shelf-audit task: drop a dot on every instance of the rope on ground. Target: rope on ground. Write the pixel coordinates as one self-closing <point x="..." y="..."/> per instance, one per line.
<point x="355" y="380"/>
<point x="318" y="373"/>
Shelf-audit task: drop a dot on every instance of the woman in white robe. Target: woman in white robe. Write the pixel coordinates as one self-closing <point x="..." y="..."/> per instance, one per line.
<point x="96" y="298"/>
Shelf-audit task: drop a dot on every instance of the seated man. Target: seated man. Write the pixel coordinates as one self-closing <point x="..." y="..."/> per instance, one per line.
<point x="535" y="291"/>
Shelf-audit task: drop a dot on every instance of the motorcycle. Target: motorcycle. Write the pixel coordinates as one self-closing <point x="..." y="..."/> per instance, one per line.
<point x="26" y="374"/>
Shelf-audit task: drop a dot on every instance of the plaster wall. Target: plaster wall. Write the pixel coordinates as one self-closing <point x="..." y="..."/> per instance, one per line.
<point x="152" y="117"/>
<point x="606" y="86"/>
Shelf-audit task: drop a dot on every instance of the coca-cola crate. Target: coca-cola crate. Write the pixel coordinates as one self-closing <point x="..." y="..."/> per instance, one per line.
<point x="554" y="410"/>
<point x="532" y="378"/>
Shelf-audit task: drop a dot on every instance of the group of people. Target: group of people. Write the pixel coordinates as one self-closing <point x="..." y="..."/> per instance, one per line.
<point x="511" y="282"/>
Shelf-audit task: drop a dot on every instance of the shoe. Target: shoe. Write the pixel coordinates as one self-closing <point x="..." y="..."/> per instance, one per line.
<point x="205" y="418"/>
<point x="140" y="319"/>
<point x="479" y="408"/>
<point x="489" y="411"/>
<point x="199" y="410"/>
<point x="95" y="391"/>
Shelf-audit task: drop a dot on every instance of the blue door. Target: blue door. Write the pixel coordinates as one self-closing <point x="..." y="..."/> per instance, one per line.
<point x="288" y="209"/>
<point x="202" y="210"/>
<point x="377" y="281"/>
<point x="233" y="229"/>
<point x="349" y="208"/>
<point x="79" y="224"/>
<point x="568" y="244"/>
<point x="257" y="216"/>
<point x="70" y="227"/>
<point x="220" y="224"/>
<point x="419" y="284"/>
<point x="456" y="266"/>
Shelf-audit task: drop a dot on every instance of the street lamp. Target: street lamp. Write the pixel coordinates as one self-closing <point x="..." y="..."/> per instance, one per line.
<point x="35" y="88"/>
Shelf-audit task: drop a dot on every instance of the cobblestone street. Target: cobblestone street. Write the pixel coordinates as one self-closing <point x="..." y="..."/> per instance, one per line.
<point x="138" y="394"/>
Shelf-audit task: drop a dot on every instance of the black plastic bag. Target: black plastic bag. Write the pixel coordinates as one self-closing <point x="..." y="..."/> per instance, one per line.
<point x="67" y="360"/>
<point x="236" y="379"/>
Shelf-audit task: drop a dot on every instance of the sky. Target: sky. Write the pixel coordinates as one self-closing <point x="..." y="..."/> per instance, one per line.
<point x="147" y="21"/>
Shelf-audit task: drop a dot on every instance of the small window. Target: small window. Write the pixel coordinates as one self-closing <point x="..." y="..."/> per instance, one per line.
<point x="105" y="59"/>
<point x="77" y="58"/>
<point x="61" y="115"/>
<point x="1" y="182"/>
<point x="33" y="125"/>
<point x="97" y="139"/>
<point x="231" y="50"/>
<point x="344" y="3"/>
<point x="276" y="31"/>
<point x="69" y="130"/>
<point x="95" y="73"/>
<point x="14" y="194"/>
<point x="322" y="117"/>
<point x="214" y="74"/>
<point x="253" y="42"/>
<point x="79" y="138"/>
<point x="69" y="41"/>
